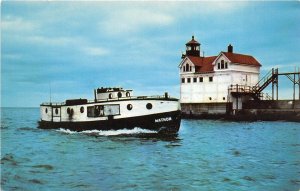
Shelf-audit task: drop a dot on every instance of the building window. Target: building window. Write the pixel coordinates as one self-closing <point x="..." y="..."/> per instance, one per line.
<point x="46" y="110"/>
<point x="223" y="98"/>
<point x="222" y="64"/>
<point x="218" y="65"/>
<point x="210" y="79"/>
<point x="183" y="68"/>
<point x="56" y="111"/>
<point x="195" y="80"/>
<point x="201" y="79"/>
<point x="81" y="109"/>
<point x="226" y="65"/>
<point x="187" y="67"/>
<point x="188" y="80"/>
<point x="190" y="68"/>
<point x="182" y="80"/>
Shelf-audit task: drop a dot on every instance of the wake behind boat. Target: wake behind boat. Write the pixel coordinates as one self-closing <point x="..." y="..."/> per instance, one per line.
<point x="113" y="109"/>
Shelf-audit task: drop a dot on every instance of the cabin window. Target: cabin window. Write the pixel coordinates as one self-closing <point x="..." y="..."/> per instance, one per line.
<point x="210" y="79"/>
<point x="113" y="109"/>
<point x="119" y="94"/>
<point x="149" y="106"/>
<point x="223" y="98"/>
<point x="209" y="98"/>
<point x="110" y="96"/>
<point x="46" y="110"/>
<point x="91" y="111"/>
<point x="68" y="110"/>
<point x="201" y="79"/>
<point x="195" y="80"/>
<point x="129" y="107"/>
<point x="188" y="80"/>
<point x="56" y="111"/>
<point x="182" y="80"/>
<point x="81" y="109"/>
<point x="127" y="94"/>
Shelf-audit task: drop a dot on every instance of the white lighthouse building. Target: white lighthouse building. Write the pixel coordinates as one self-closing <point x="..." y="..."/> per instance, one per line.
<point x="206" y="83"/>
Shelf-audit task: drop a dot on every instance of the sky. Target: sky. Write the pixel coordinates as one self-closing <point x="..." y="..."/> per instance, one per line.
<point x="74" y="47"/>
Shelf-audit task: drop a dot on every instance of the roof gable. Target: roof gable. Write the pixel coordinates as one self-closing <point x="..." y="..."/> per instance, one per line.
<point x="186" y="59"/>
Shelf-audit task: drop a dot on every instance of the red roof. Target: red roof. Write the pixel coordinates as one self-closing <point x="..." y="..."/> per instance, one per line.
<point x="241" y="59"/>
<point x="203" y="64"/>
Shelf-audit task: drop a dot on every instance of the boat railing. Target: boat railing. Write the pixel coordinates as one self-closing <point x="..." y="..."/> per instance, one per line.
<point x="112" y="99"/>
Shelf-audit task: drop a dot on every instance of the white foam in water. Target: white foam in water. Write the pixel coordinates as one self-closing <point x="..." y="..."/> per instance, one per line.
<point x="136" y="130"/>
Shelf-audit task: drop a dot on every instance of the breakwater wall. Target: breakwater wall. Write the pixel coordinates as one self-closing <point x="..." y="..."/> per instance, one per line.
<point x="266" y="110"/>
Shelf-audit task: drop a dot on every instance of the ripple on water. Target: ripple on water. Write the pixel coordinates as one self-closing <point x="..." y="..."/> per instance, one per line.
<point x="295" y="182"/>
<point x="35" y="181"/>
<point x="44" y="166"/>
<point x="9" y="159"/>
<point x="249" y="178"/>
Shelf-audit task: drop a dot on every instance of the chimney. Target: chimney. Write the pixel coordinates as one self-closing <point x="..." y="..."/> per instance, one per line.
<point x="230" y="48"/>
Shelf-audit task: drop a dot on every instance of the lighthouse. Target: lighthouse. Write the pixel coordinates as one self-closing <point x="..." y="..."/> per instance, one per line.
<point x="205" y="81"/>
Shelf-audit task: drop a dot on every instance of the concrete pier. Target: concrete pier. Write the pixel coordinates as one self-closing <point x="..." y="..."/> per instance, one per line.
<point x="252" y="110"/>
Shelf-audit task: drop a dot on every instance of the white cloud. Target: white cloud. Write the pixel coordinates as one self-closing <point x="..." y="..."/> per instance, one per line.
<point x="17" y="24"/>
<point x="54" y="41"/>
<point x="95" y="51"/>
<point x="130" y="21"/>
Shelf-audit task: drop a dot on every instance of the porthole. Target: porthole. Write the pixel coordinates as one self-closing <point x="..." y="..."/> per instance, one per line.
<point x="110" y="96"/>
<point x="127" y="94"/>
<point x="68" y="110"/>
<point x="119" y="94"/>
<point x="149" y="106"/>
<point x="46" y="110"/>
<point x="129" y="107"/>
<point x="82" y="109"/>
<point x="56" y="111"/>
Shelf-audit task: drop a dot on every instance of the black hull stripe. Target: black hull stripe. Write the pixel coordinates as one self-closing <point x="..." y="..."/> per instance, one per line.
<point x="168" y="123"/>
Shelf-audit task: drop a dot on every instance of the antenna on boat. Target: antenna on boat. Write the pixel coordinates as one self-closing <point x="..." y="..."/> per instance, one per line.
<point x="50" y="91"/>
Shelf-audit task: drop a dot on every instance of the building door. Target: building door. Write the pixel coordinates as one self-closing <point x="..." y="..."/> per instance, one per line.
<point x="244" y="79"/>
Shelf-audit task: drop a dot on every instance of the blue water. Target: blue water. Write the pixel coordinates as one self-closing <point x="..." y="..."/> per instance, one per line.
<point x="206" y="155"/>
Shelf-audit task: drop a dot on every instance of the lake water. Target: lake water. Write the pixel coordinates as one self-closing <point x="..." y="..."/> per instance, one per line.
<point x="205" y="155"/>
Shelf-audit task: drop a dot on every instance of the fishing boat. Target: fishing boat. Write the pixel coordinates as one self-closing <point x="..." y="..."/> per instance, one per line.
<point x="113" y="109"/>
